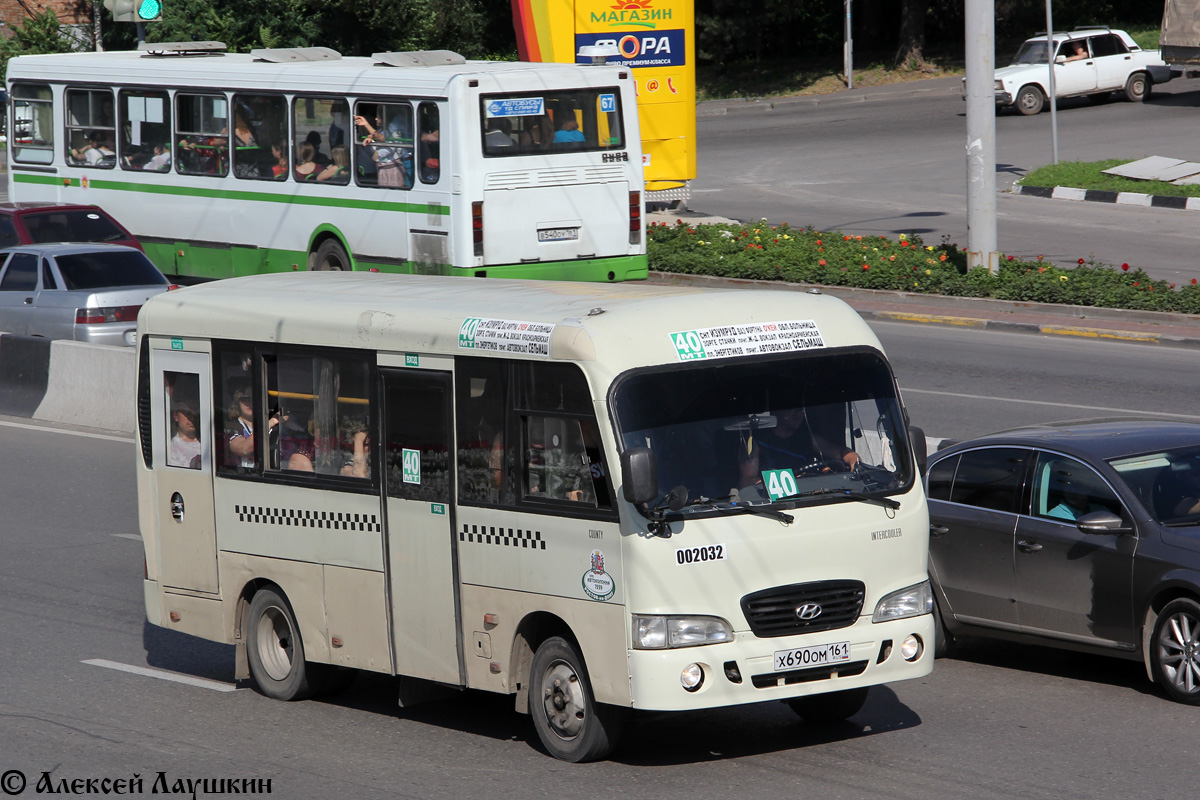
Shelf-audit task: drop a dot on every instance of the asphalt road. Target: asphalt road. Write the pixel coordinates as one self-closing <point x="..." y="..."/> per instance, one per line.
<point x="996" y="721"/>
<point x="895" y="162"/>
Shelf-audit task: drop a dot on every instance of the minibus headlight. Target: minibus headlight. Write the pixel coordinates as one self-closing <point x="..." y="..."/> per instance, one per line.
<point x="658" y="633"/>
<point x="911" y="601"/>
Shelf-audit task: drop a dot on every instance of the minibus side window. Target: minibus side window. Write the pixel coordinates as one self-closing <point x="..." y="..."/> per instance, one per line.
<point x="182" y="434"/>
<point x="481" y="398"/>
<point x="561" y="455"/>
<point x="320" y="409"/>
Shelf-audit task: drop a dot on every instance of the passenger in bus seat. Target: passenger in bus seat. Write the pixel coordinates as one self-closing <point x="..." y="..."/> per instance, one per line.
<point x="161" y="160"/>
<point x="280" y="168"/>
<point x="95" y="152"/>
<point x="339" y="170"/>
<point x="389" y="169"/>
<point x="184" y="448"/>
<point x="306" y="168"/>
<point x="537" y="133"/>
<point x="499" y="133"/>
<point x="569" y="133"/>
<point x="240" y="433"/>
<point x="314" y="139"/>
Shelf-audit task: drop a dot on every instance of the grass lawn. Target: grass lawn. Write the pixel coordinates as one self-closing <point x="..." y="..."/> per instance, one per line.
<point x="1090" y="175"/>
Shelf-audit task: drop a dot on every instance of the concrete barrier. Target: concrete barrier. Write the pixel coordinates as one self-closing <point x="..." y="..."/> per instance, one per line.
<point x="70" y="382"/>
<point x="24" y="370"/>
<point x="91" y="385"/>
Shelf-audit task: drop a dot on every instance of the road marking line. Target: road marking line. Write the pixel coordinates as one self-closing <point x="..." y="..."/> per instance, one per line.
<point x="1119" y="411"/>
<point x="62" y="430"/>
<point x="133" y="536"/>
<point x="163" y="675"/>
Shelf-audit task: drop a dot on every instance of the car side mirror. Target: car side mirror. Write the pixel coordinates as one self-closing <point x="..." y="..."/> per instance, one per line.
<point x="920" y="447"/>
<point x="1101" y="522"/>
<point x="1060" y="59"/>
<point x="639" y="474"/>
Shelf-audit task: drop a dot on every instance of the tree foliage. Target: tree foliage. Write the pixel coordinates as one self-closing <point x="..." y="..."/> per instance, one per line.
<point x="38" y="34"/>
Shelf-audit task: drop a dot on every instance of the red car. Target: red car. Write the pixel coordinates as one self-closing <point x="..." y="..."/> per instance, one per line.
<point x="42" y="223"/>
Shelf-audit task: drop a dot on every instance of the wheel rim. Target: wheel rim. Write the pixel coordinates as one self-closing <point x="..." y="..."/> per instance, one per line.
<point x="563" y="700"/>
<point x="1028" y="100"/>
<point x="276" y="643"/>
<point x="1179" y="652"/>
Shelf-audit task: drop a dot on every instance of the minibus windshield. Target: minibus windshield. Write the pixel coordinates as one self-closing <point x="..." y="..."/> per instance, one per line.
<point x="792" y="431"/>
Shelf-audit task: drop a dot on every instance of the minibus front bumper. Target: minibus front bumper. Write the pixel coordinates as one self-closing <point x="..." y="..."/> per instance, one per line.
<point x="745" y="670"/>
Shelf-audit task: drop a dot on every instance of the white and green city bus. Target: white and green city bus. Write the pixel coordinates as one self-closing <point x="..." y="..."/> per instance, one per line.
<point x="568" y="493"/>
<point x="227" y="164"/>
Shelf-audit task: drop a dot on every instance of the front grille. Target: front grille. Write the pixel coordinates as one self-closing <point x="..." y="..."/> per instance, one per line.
<point x="773" y="612"/>
<point x="808" y="674"/>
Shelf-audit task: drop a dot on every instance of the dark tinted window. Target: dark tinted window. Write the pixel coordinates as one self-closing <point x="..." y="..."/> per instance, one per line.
<point x="104" y="270"/>
<point x="21" y="275"/>
<point x="941" y="476"/>
<point x="990" y="478"/>
<point x="1108" y="45"/>
<point x="8" y="232"/>
<point x="48" y="281"/>
<point x="78" y="225"/>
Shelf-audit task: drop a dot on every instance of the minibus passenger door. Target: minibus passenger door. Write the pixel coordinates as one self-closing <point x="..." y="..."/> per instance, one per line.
<point x="422" y="558"/>
<point x="181" y="420"/>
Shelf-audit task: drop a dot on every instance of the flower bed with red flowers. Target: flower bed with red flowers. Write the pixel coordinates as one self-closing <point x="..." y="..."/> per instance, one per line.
<point x="779" y="252"/>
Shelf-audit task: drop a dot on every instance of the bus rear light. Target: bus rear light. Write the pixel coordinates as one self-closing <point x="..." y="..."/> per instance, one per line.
<point x="99" y="316"/>
<point x="635" y="217"/>
<point x="477" y="226"/>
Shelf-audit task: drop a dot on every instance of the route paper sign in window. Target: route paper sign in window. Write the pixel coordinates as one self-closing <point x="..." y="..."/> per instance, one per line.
<point x="747" y="339"/>
<point x="505" y="336"/>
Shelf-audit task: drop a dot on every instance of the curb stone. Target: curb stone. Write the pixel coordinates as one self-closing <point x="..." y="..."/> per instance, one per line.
<point x="1102" y="196"/>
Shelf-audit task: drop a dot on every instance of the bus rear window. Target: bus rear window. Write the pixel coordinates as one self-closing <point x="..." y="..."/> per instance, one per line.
<point x="551" y="122"/>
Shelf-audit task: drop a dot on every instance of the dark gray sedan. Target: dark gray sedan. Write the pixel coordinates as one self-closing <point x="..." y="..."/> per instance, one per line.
<point x="86" y="292"/>
<point x="1077" y="535"/>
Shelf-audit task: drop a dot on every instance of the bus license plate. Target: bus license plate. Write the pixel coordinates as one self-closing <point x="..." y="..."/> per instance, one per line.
<point x="557" y="234"/>
<point x="812" y="656"/>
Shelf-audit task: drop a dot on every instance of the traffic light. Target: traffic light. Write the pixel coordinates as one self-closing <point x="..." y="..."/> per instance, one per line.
<point x="135" y="10"/>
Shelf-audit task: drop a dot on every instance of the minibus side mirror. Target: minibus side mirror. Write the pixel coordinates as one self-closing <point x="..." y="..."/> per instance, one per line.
<point x="920" y="447"/>
<point x="639" y="474"/>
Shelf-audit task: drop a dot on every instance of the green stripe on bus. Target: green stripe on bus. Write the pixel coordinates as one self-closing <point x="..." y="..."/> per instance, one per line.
<point x="229" y="194"/>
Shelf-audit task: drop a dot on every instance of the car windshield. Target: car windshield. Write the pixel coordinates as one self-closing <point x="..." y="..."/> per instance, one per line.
<point x="1167" y="482"/>
<point x="108" y="270"/>
<point x="74" y="225"/>
<point x="1032" y="52"/>
<point x="810" y="428"/>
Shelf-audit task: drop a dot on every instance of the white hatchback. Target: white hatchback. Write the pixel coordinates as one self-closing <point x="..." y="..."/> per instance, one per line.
<point x="1088" y="62"/>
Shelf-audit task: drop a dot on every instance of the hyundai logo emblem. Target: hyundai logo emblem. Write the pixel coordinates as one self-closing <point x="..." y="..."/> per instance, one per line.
<point x="808" y="611"/>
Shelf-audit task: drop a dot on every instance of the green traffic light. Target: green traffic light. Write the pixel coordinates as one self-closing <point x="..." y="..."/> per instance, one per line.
<point x="149" y="9"/>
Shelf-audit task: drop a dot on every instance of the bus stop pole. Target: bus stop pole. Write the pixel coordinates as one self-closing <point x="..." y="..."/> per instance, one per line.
<point x="1053" y="91"/>
<point x="981" y="135"/>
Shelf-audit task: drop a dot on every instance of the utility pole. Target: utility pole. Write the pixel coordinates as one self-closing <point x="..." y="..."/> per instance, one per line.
<point x="848" y="47"/>
<point x="981" y="135"/>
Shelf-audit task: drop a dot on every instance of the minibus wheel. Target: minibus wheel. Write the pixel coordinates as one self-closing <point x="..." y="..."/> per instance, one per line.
<point x="829" y="707"/>
<point x="331" y="257"/>
<point x="274" y="648"/>
<point x="570" y="723"/>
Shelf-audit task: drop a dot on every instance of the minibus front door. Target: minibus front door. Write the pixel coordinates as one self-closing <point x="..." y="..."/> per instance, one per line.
<point x="422" y="558"/>
<point x="181" y="419"/>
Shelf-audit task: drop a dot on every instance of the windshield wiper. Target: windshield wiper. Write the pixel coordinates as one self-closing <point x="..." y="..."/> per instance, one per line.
<point x="727" y="503"/>
<point x="886" y="502"/>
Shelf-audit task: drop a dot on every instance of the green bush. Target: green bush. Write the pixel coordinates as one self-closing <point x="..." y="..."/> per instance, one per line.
<point x="760" y="251"/>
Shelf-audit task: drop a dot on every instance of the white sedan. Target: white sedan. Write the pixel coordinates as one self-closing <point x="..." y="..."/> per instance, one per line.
<point x="1088" y="62"/>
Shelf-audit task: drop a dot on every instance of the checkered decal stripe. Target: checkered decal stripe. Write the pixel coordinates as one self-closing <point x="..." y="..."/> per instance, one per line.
<point x="303" y="518"/>
<point x="505" y="537"/>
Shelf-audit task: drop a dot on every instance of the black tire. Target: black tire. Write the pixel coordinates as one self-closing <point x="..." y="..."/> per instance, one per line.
<point x="1175" y="651"/>
<point x="570" y="723"/>
<point x="943" y="640"/>
<point x="1100" y="97"/>
<point x="1030" y="100"/>
<point x="822" y="709"/>
<point x="331" y="257"/>
<point x="275" y="650"/>
<point x="1137" y="88"/>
